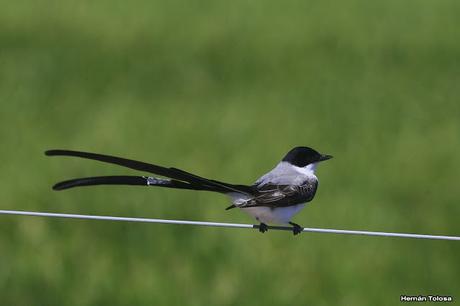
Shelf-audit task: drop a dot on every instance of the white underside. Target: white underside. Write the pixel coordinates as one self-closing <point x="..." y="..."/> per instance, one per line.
<point x="281" y="215"/>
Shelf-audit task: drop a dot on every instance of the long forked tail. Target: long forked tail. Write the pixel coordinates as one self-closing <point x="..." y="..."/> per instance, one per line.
<point x="178" y="178"/>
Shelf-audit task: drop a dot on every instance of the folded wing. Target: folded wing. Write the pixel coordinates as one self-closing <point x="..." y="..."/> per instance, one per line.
<point x="272" y="195"/>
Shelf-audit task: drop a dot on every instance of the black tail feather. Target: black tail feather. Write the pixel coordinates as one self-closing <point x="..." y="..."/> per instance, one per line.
<point x="224" y="186"/>
<point x="101" y="180"/>
<point x="129" y="163"/>
<point x="125" y="180"/>
<point x="197" y="182"/>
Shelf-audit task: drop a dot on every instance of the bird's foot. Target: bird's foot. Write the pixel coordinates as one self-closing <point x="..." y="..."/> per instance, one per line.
<point x="296" y="229"/>
<point x="263" y="227"/>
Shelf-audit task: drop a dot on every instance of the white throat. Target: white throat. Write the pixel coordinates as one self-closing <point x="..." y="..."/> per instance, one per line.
<point x="308" y="170"/>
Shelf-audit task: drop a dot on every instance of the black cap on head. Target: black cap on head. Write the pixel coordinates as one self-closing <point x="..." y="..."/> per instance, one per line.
<point x="302" y="156"/>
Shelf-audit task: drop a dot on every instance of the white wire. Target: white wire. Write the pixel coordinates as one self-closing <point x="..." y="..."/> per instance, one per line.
<point x="219" y="224"/>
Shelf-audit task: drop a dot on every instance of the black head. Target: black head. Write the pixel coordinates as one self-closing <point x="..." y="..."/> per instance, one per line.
<point x="302" y="156"/>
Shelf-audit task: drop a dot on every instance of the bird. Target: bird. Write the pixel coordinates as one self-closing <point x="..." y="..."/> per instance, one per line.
<point x="275" y="197"/>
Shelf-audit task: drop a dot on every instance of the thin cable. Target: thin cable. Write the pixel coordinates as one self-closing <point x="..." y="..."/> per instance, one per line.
<point x="219" y="224"/>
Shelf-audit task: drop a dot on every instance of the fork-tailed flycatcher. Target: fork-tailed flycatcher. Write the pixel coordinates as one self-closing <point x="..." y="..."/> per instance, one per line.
<point x="274" y="198"/>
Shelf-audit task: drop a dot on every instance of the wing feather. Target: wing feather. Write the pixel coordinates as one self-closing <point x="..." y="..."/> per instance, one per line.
<point x="273" y="195"/>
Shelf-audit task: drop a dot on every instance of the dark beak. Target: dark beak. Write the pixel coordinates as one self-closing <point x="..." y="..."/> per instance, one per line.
<point x="325" y="157"/>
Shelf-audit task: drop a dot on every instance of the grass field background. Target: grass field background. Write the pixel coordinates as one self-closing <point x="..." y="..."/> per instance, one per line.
<point x="225" y="89"/>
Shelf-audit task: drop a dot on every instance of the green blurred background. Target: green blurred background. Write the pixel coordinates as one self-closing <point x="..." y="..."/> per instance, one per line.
<point x="225" y="89"/>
